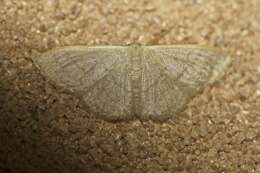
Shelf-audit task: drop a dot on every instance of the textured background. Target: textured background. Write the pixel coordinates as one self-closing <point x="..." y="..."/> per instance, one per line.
<point x="42" y="129"/>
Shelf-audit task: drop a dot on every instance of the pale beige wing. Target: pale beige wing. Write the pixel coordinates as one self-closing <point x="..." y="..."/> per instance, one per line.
<point x="99" y="75"/>
<point x="172" y="75"/>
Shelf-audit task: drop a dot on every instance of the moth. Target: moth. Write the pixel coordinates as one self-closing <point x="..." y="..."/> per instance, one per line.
<point x="133" y="82"/>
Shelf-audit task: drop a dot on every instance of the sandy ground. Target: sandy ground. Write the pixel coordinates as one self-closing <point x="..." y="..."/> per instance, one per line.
<point x="44" y="130"/>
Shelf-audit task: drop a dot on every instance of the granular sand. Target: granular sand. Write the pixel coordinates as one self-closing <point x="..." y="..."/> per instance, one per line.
<point x="43" y="129"/>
